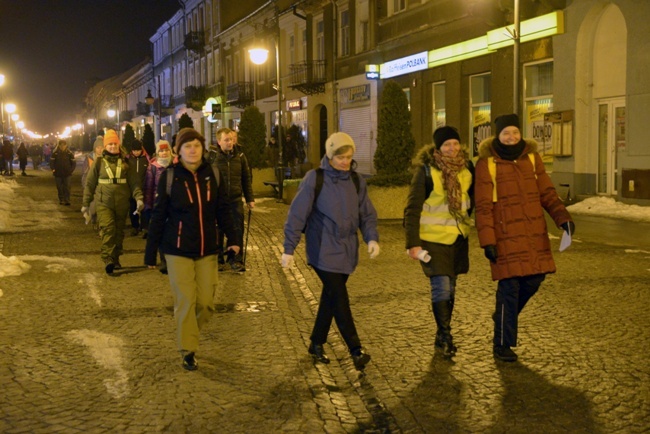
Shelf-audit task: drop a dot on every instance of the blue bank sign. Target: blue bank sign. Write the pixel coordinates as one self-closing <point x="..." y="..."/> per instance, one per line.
<point x="405" y="65"/>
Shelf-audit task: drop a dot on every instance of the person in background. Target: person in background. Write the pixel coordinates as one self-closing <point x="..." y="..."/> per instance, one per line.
<point x="139" y="162"/>
<point x="437" y="223"/>
<point x="111" y="183"/>
<point x="22" y="158"/>
<point x="183" y="224"/>
<point x="36" y="152"/>
<point x="330" y="223"/>
<point x="234" y="169"/>
<point x="8" y="157"/>
<point x="63" y="164"/>
<point x="157" y="166"/>
<point x="512" y="191"/>
<point x="47" y="152"/>
<point x="89" y="159"/>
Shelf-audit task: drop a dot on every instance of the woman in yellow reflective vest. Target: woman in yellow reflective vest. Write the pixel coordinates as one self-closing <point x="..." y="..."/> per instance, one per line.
<point x="110" y="183"/>
<point x="436" y="220"/>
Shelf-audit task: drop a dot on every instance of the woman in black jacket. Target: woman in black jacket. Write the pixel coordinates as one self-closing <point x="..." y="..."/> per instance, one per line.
<point x="184" y="225"/>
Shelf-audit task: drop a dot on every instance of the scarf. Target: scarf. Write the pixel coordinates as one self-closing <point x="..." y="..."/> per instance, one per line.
<point x="509" y="152"/>
<point x="450" y="167"/>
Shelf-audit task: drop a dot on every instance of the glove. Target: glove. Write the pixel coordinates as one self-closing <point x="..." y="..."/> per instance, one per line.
<point x="139" y="205"/>
<point x="287" y="260"/>
<point x="569" y="227"/>
<point x="84" y="209"/>
<point x="491" y="253"/>
<point x="86" y="214"/>
<point x="373" y="249"/>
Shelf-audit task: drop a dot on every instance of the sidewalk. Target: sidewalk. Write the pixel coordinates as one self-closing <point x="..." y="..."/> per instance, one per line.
<point x="85" y="352"/>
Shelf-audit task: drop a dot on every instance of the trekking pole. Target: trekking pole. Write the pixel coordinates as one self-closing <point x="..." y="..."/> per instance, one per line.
<point x="248" y="230"/>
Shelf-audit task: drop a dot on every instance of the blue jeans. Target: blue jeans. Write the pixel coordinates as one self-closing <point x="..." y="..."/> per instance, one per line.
<point x="443" y="288"/>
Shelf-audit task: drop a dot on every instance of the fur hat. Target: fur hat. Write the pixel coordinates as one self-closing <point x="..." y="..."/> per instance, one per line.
<point x="111" y="137"/>
<point x="337" y="140"/>
<point x="162" y="145"/>
<point x="503" y="121"/>
<point x="442" y="134"/>
<point x="187" y="135"/>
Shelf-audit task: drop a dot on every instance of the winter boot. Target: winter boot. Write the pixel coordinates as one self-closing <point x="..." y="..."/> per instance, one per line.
<point x="442" y="314"/>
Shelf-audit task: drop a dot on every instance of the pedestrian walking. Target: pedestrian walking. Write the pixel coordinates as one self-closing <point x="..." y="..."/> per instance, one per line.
<point x="331" y="205"/>
<point x="139" y="162"/>
<point x="62" y="163"/>
<point x="157" y="166"/>
<point x="512" y="191"/>
<point x="233" y="166"/>
<point x="184" y="225"/>
<point x="36" y="152"/>
<point x="437" y="223"/>
<point x="8" y="157"/>
<point x="89" y="159"/>
<point x="22" y="158"/>
<point x="110" y="183"/>
<point x="47" y="152"/>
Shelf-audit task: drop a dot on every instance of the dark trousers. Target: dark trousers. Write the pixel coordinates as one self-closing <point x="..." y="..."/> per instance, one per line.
<point x="236" y="211"/>
<point x="512" y="296"/>
<point x="63" y="188"/>
<point x="334" y="303"/>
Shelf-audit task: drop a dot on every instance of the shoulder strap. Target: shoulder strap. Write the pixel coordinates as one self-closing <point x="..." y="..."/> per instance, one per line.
<point x="170" y="179"/>
<point x="319" y="183"/>
<point x="428" y="181"/>
<point x="355" y="179"/>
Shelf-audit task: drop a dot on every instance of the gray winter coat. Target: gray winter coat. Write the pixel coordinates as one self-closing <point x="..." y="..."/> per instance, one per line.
<point x="332" y="222"/>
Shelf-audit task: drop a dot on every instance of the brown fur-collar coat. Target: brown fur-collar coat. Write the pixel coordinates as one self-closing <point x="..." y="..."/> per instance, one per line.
<point x="515" y="223"/>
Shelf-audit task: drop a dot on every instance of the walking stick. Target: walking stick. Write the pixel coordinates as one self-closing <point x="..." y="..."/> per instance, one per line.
<point x="248" y="230"/>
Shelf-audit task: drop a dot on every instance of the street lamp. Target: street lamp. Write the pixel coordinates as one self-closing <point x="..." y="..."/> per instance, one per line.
<point x="91" y="122"/>
<point x="9" y="108"/>
<point x="256" y="55"/>
<point x="111" y="113"/>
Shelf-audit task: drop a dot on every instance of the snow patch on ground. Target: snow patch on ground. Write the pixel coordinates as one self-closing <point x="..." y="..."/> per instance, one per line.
<point x="12" y="266"/>
<point x="608" y="207"/>
<point x="107" y="352"/>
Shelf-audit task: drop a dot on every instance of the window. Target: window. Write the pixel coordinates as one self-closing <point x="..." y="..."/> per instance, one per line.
<point x="398" y="5"/>
<point x="480" y="109"/>
<point x="319" y="49"/>
<point x="345" y="33"/>
<point x="438" y="91"/>
<point x="292" y="49"/>
<point x="538" y="100"/>
<point x="363" y="37"/>
<point x="304" y="45"/>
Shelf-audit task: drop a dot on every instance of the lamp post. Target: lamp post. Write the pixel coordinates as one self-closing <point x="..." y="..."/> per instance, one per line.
<point x="9" y="108"/>
<point x="111" y="113"/>
<point x="149" y="100"/>
<point x="258" y="57"/>
<point x="91" y="122"/>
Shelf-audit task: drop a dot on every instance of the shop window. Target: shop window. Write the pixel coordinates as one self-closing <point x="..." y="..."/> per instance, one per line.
<point x="438" y="91"/>
<point x="538" y="100"/>
<point x="480" y="109"/>
<point x="345" y="33"/>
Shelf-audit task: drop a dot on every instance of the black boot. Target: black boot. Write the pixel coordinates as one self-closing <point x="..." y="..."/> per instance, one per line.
<point x="442" y="313"/>
<point x="317" y="353"/>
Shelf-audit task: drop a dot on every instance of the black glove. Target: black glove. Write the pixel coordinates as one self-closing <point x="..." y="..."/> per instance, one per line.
<point x="491" y="253"/>
<point x="569" y="227"/>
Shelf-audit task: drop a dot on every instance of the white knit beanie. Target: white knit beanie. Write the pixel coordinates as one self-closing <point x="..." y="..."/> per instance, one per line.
<point x="337" y="140"/>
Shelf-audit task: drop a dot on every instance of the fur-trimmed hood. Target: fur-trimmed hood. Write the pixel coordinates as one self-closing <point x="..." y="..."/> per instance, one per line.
<point x="425" y="156"/>
<point x="486" y="150"/>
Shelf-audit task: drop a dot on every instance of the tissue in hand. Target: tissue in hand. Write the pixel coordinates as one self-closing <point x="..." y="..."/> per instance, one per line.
<point x="424" y="256"/>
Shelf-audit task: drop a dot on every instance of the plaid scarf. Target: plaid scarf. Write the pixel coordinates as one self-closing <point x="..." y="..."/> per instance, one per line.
<point x="450" y="167"/>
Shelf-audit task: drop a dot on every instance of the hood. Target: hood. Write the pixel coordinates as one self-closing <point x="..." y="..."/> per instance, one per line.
<point x="425" y="156"/>
<point x="485" y="149"/>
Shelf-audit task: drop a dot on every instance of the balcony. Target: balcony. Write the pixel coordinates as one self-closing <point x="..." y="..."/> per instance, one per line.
<point x="215" y="90"/>
<point x="195" y="41"/>
<point x="195" y="97"/>
<point x="308" y="77"/>
<point x="240" y="94"/>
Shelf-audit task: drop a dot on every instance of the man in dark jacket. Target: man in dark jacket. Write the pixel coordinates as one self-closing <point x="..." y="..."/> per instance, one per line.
<point x="8" y="156"/>
<point x="62" y="163"/>
<point x="237" y="181"/>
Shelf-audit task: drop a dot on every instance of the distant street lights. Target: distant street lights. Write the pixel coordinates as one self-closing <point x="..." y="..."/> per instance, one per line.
<point x="9" y="108"/>
<point x="111" y="114"/>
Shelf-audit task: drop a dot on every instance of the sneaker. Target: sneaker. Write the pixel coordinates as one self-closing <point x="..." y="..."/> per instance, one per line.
<point x="110" y="266"/>
<point x="189" y="362"/>
<point x="504" y="353"/>
<point x="237" y="266"/>
<point x="360" y="359"/>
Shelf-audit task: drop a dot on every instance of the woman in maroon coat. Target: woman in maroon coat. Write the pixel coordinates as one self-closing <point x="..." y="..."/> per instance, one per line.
<point x="511" y="195"/>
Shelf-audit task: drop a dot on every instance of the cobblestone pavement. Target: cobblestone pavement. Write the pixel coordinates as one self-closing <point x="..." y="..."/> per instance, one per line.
<point x="85" y="352"/>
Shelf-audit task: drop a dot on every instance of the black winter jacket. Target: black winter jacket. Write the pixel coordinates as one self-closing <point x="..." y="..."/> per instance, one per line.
<point x="236" y="174"/>
<point x="62" y="162"/>
<point x="184" y="223"/>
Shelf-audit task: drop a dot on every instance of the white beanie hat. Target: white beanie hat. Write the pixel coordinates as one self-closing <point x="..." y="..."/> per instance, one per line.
<point x="337" y="140"/>
<point x="163" y="144"/>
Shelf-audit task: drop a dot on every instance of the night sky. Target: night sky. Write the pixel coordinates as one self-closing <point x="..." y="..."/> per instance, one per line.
<point x="49" y="49"/>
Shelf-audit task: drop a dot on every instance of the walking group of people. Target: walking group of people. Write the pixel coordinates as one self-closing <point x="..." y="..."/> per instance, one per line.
<point x="509" y="190"/>
<point x="191" y="197"/>
<point x="23" y="152"/>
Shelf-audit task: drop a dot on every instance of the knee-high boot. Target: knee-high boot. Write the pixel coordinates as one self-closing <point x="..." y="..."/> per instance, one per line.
<point x="442" y="313"/>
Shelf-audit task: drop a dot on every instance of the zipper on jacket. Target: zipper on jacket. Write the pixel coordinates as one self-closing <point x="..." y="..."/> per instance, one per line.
<point x="187" y="188"/>
<point x="198" y="195"/>
<point x="178" y="239"/>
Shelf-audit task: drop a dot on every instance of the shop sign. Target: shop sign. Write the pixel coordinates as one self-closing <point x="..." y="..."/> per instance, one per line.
<point x="355" y="94"/>
<point x="294" y="104"/>
<point x="405" y="65"/>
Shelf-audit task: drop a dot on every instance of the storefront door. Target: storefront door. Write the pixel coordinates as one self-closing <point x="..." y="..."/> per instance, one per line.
<point x="611" y="140"/>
